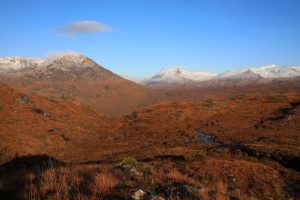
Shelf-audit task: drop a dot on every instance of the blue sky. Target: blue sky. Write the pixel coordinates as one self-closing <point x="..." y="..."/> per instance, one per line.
<point x="140" y="37"/>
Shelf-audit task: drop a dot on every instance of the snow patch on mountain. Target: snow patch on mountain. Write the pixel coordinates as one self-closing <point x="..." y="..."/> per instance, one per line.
<point x="267" y="71"/>
<point x="291" y="71"/>
<point x="65" y="55"/>
<point x="177" y="75"/>
<point x="15" y="63"/>
<point x="65" y="61"/>
<point x="59" y="60"/>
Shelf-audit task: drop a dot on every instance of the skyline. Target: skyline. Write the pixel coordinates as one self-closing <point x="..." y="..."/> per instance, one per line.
<point x="141" y="38"/>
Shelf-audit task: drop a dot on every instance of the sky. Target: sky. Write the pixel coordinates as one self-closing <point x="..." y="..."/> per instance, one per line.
<point x="140" y="37"/>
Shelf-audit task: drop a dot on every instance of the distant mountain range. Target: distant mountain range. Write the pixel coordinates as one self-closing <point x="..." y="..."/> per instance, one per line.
<point x="179" y="76"/>
<point x="73" y="76"/>
<point x="72" y="61"/>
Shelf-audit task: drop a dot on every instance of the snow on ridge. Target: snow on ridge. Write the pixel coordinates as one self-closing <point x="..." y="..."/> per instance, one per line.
<point x="69" y="60"/>
<point x="291" y="71"/>
<point x="71" y="55"/>
<point x="15" y="63"/>
<point x="63" y="60"/>
<point x="179" y="75"/>
<point x="57" y="59"/>
<point x="266" y="71"/>
<point x="175" y="74"/>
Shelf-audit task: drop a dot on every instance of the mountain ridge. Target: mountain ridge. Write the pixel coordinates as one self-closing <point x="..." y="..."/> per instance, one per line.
<point x="13" y="64"/>
<point x="181" y="76"/>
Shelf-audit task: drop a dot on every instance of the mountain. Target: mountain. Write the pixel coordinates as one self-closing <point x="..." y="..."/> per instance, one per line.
<point x="75" y="77"/>
<point x="178" y="76"/>
<point x="64" y="67"/>
<point x="268" y="71"/>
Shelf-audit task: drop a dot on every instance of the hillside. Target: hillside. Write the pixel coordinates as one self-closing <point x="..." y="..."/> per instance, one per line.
<point x="35" y="125"/>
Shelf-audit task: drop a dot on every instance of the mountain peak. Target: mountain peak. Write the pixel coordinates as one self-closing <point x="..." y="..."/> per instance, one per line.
<point x="70" y="56"/>
<point x="67" y="61"/>
<point x="58" y="59"/>
<point x="54" y="66"/>
<point x="180" y="75"/>
<point x="170" y="71"/>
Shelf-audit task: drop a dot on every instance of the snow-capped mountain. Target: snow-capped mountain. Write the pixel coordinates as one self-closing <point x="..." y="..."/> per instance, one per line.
<point x="69" y="62"/>
<point x="64" y="60"/>
<point x="60" y="61"/>
<point x="15" y="63"/>
<point x="268" y="71"/>
<point x="60" y="66"/>
<point x="74" y="66"/>
<point x="179" y="75"/>
<point x="291" y="71"/>
<point x="76" y="77"/>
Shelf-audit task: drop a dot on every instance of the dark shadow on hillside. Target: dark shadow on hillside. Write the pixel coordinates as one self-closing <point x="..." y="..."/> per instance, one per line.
<point x="30" y="163"/>
<point x="13" y="173"/>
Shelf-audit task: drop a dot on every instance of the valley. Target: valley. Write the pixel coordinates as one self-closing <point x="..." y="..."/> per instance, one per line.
<point x="70" y="129"/>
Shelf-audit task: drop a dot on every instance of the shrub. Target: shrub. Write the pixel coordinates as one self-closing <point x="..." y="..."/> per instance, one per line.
<point x="130" y="161"/>
<point x="210" y="104"/>
<point x="145" y="168"/>
<point x="139" y="166"/>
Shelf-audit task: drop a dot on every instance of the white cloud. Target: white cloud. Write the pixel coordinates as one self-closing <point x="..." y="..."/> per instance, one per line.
<point x="83" y="28"/>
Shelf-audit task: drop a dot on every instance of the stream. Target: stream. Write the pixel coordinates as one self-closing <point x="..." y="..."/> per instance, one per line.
<point x="210" y="140"/>
<point x="292" y="163"/>
<point x="285" y="160"/>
